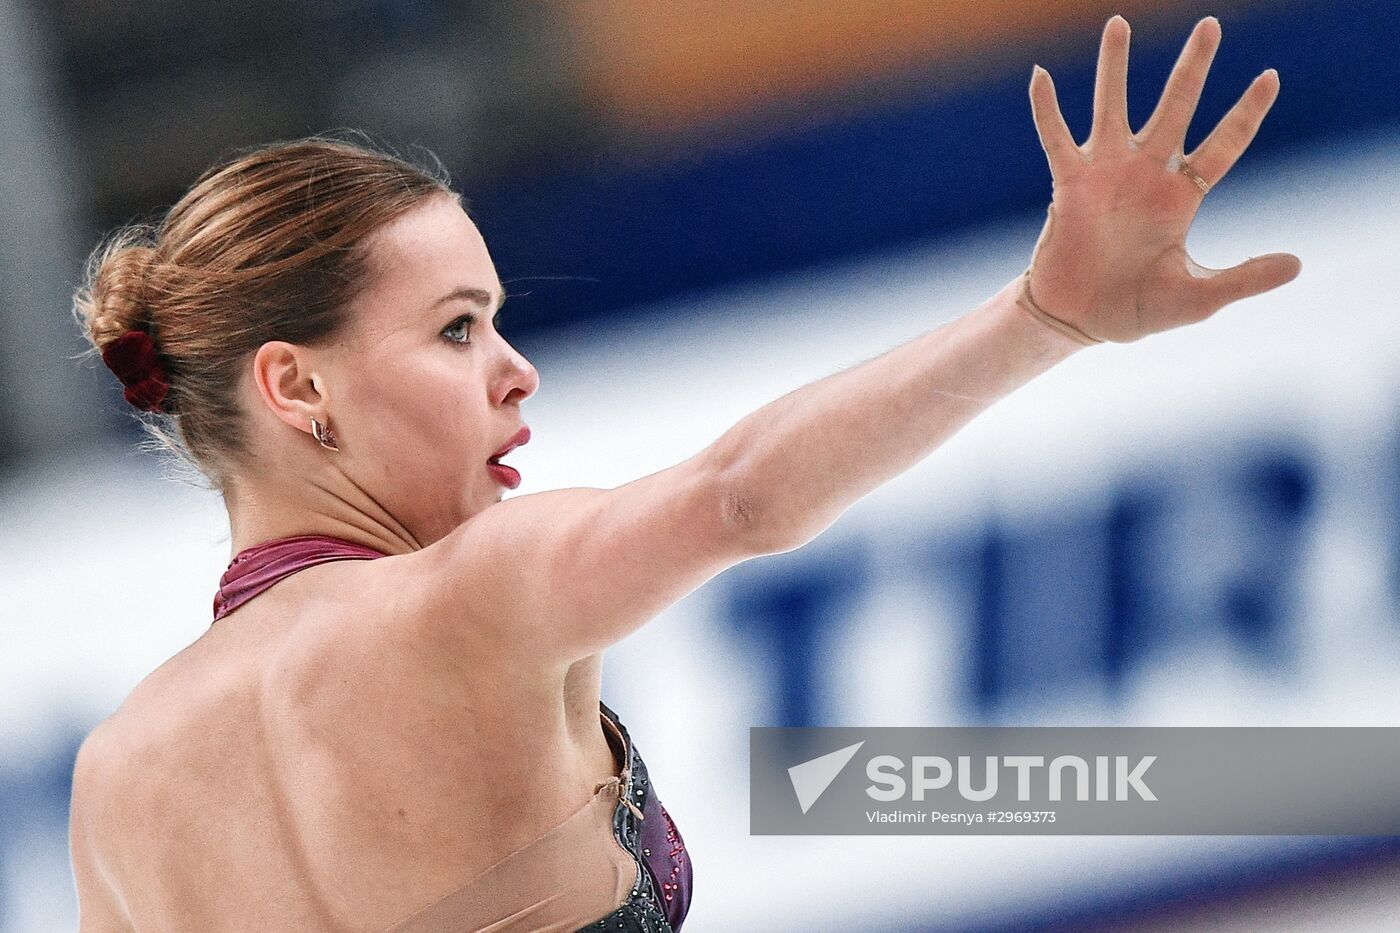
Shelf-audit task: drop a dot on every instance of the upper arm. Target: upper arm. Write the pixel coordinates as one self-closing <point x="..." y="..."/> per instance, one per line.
<point x="560" y="575"/>
<point x="100" y="906"/>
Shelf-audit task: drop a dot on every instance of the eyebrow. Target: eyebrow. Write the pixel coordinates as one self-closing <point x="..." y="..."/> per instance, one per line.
<point x="478" y="296"/>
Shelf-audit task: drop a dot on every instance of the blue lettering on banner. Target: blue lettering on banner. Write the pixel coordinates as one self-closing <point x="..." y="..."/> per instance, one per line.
<point x="1204" y="554"/>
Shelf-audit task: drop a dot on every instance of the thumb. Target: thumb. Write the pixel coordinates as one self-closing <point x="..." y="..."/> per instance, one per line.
<point x="1254" y="276"/>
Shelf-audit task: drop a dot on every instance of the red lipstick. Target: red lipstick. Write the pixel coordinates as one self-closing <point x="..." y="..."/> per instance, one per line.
<point x="505" y="475"/>
<point x="518" y="439"/>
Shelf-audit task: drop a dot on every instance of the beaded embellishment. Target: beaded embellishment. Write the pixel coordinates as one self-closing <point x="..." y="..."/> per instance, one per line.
<point x="641" y="912"/>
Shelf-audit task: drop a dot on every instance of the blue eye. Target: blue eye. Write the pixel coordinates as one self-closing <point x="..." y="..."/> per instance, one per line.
<point x="465" y="321"/>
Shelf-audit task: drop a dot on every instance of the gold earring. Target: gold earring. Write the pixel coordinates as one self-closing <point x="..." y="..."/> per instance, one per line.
<point x="323" y="435"/>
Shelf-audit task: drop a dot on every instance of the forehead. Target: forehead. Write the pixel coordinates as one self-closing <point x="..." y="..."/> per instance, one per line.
<point x="418" y="258"/>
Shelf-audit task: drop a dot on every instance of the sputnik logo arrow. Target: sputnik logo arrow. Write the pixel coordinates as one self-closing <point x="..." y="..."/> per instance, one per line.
<point x="811" y="778"/>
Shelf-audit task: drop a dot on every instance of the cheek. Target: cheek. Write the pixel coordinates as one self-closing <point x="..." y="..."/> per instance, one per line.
<point x="426" y="414"/>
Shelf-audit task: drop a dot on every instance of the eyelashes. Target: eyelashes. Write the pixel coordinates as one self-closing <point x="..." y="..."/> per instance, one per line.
<point x="466" y="321"/>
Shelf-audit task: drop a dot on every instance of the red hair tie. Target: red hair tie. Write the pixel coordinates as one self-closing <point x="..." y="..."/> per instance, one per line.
<point x="132" y="356"/>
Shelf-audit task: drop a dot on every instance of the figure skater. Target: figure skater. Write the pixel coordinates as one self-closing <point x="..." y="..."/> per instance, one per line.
<point x="394" y="721"/>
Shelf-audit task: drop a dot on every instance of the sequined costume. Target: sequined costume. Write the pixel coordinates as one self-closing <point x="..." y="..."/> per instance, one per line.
<point x="644" y="868"/>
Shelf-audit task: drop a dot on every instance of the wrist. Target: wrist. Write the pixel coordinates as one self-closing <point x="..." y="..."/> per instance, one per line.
<point x="1026" y="299"/>
<point x="1020" y="323"/>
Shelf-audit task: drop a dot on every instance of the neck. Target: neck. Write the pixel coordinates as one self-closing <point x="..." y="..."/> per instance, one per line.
<point x="265" y="511"/>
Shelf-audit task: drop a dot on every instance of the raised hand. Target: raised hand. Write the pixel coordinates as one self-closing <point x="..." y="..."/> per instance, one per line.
<point x="1111" y="260"/>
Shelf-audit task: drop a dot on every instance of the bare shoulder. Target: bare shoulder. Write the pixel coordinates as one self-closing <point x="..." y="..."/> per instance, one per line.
<point x="554" y="577"/>
<point x="464" y="597"/>
<point x="96" y="816"/>
<point x="122" y="777"/>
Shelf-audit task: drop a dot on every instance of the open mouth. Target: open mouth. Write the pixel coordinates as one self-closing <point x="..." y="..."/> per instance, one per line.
<point x="507" y="475"/>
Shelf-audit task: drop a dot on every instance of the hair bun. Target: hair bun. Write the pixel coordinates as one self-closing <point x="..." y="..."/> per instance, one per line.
<point x="118" y="302"/>
<point x="112" y="297"/>
<point x="113" y="306"/>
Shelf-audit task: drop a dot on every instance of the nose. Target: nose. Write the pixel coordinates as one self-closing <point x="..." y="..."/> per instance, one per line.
<point x="519" y="378"/>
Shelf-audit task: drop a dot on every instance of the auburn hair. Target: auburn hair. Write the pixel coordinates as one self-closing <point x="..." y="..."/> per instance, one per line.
<point x="269" y="243"/>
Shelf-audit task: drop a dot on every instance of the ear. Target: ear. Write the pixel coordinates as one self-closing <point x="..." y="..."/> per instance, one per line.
<point x="287" y="383"/>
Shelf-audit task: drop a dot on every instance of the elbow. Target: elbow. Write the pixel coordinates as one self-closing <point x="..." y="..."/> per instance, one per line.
<point x="748" y="522"/>
<point x="750" y="517"/>
<point x="737" y="511"/>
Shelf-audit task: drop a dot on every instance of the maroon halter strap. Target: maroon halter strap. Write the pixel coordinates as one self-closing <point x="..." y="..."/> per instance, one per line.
<point x="254" y="569"/>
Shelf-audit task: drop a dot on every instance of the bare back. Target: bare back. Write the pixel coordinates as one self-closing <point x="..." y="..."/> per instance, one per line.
<point x="305" y="765"/>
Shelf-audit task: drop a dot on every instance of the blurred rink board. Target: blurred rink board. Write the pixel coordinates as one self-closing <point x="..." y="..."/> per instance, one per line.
<point x="1202" y="528"/>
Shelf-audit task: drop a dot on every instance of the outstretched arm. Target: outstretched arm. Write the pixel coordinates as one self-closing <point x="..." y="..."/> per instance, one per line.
<point x="558" y="575"/>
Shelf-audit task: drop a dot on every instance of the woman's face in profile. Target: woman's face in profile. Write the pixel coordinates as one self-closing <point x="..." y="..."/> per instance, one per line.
<point x="425" y="389"/>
